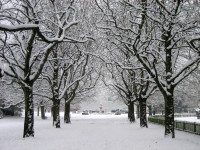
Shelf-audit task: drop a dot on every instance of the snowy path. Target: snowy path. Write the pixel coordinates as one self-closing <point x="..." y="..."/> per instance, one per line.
<point x="86" y="133"/>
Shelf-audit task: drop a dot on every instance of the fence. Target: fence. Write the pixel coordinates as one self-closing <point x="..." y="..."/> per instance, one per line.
<point x="191" y="127"/>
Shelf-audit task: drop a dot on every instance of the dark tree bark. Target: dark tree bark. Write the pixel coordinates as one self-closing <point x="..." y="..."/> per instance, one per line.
<point x="131" y="114"/>
<point x="143" y="116"/>
<point x="56" y="100"/>
<point x="150" y="110"/>
<point x="57" y="114"/>
<point x="168" y="95"/>
<point x="53" y="111"/>
<point x="42" y="112"/>
<point x="29" y="112"/>
<point x="67" y="113"/>
<point x="169" y="116"/>
<point x="38" y="110"/>
<point x="138" y="111"/>
<point x="1" y="74"/>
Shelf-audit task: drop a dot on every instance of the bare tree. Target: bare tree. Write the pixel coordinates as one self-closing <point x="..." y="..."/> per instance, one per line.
<point x="88" y="73"/>
<point x="31" y="30"/>
<point x="158" y="33"/>
<point x="133" y="85"/>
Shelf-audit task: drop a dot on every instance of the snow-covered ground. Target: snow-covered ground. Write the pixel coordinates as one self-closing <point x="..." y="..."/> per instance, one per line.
<point x="188" y="119"/>
<point x="92" y="132"/>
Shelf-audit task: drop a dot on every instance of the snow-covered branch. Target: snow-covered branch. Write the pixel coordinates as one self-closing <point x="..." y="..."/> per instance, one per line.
<point x="185" y="71"/>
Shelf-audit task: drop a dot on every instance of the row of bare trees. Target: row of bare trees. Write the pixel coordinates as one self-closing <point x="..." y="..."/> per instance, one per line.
<point x="34" y="35"/>
<point x="163" y="36"/>
<point x="145" y="45"/>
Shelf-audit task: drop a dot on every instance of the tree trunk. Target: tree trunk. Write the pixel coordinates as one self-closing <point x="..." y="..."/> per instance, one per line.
<point x="143" y="114"/>
<point x="150" y="110"/>
<point x="42" y="112"/>
<point x="53" y="112"/>
<point x="38" y="110"/>
<point x="131" y="114"/>
<point x="56" y="101"/>
<point x="58" y="114"/>
<point x="29" y="112"/>
<point x="169" y="116"/>
<point x="138" y="111"/>
<point x="67" y="113"/>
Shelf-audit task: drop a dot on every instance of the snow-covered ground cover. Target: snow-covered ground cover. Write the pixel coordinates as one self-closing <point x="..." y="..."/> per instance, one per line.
<point x="188" y="119"/>
<point x="92" y="132"/>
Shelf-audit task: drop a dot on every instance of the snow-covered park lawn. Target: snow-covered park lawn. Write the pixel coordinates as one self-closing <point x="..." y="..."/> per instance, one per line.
<point x="188" y="119"/>
<point x="92" y="132"/>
